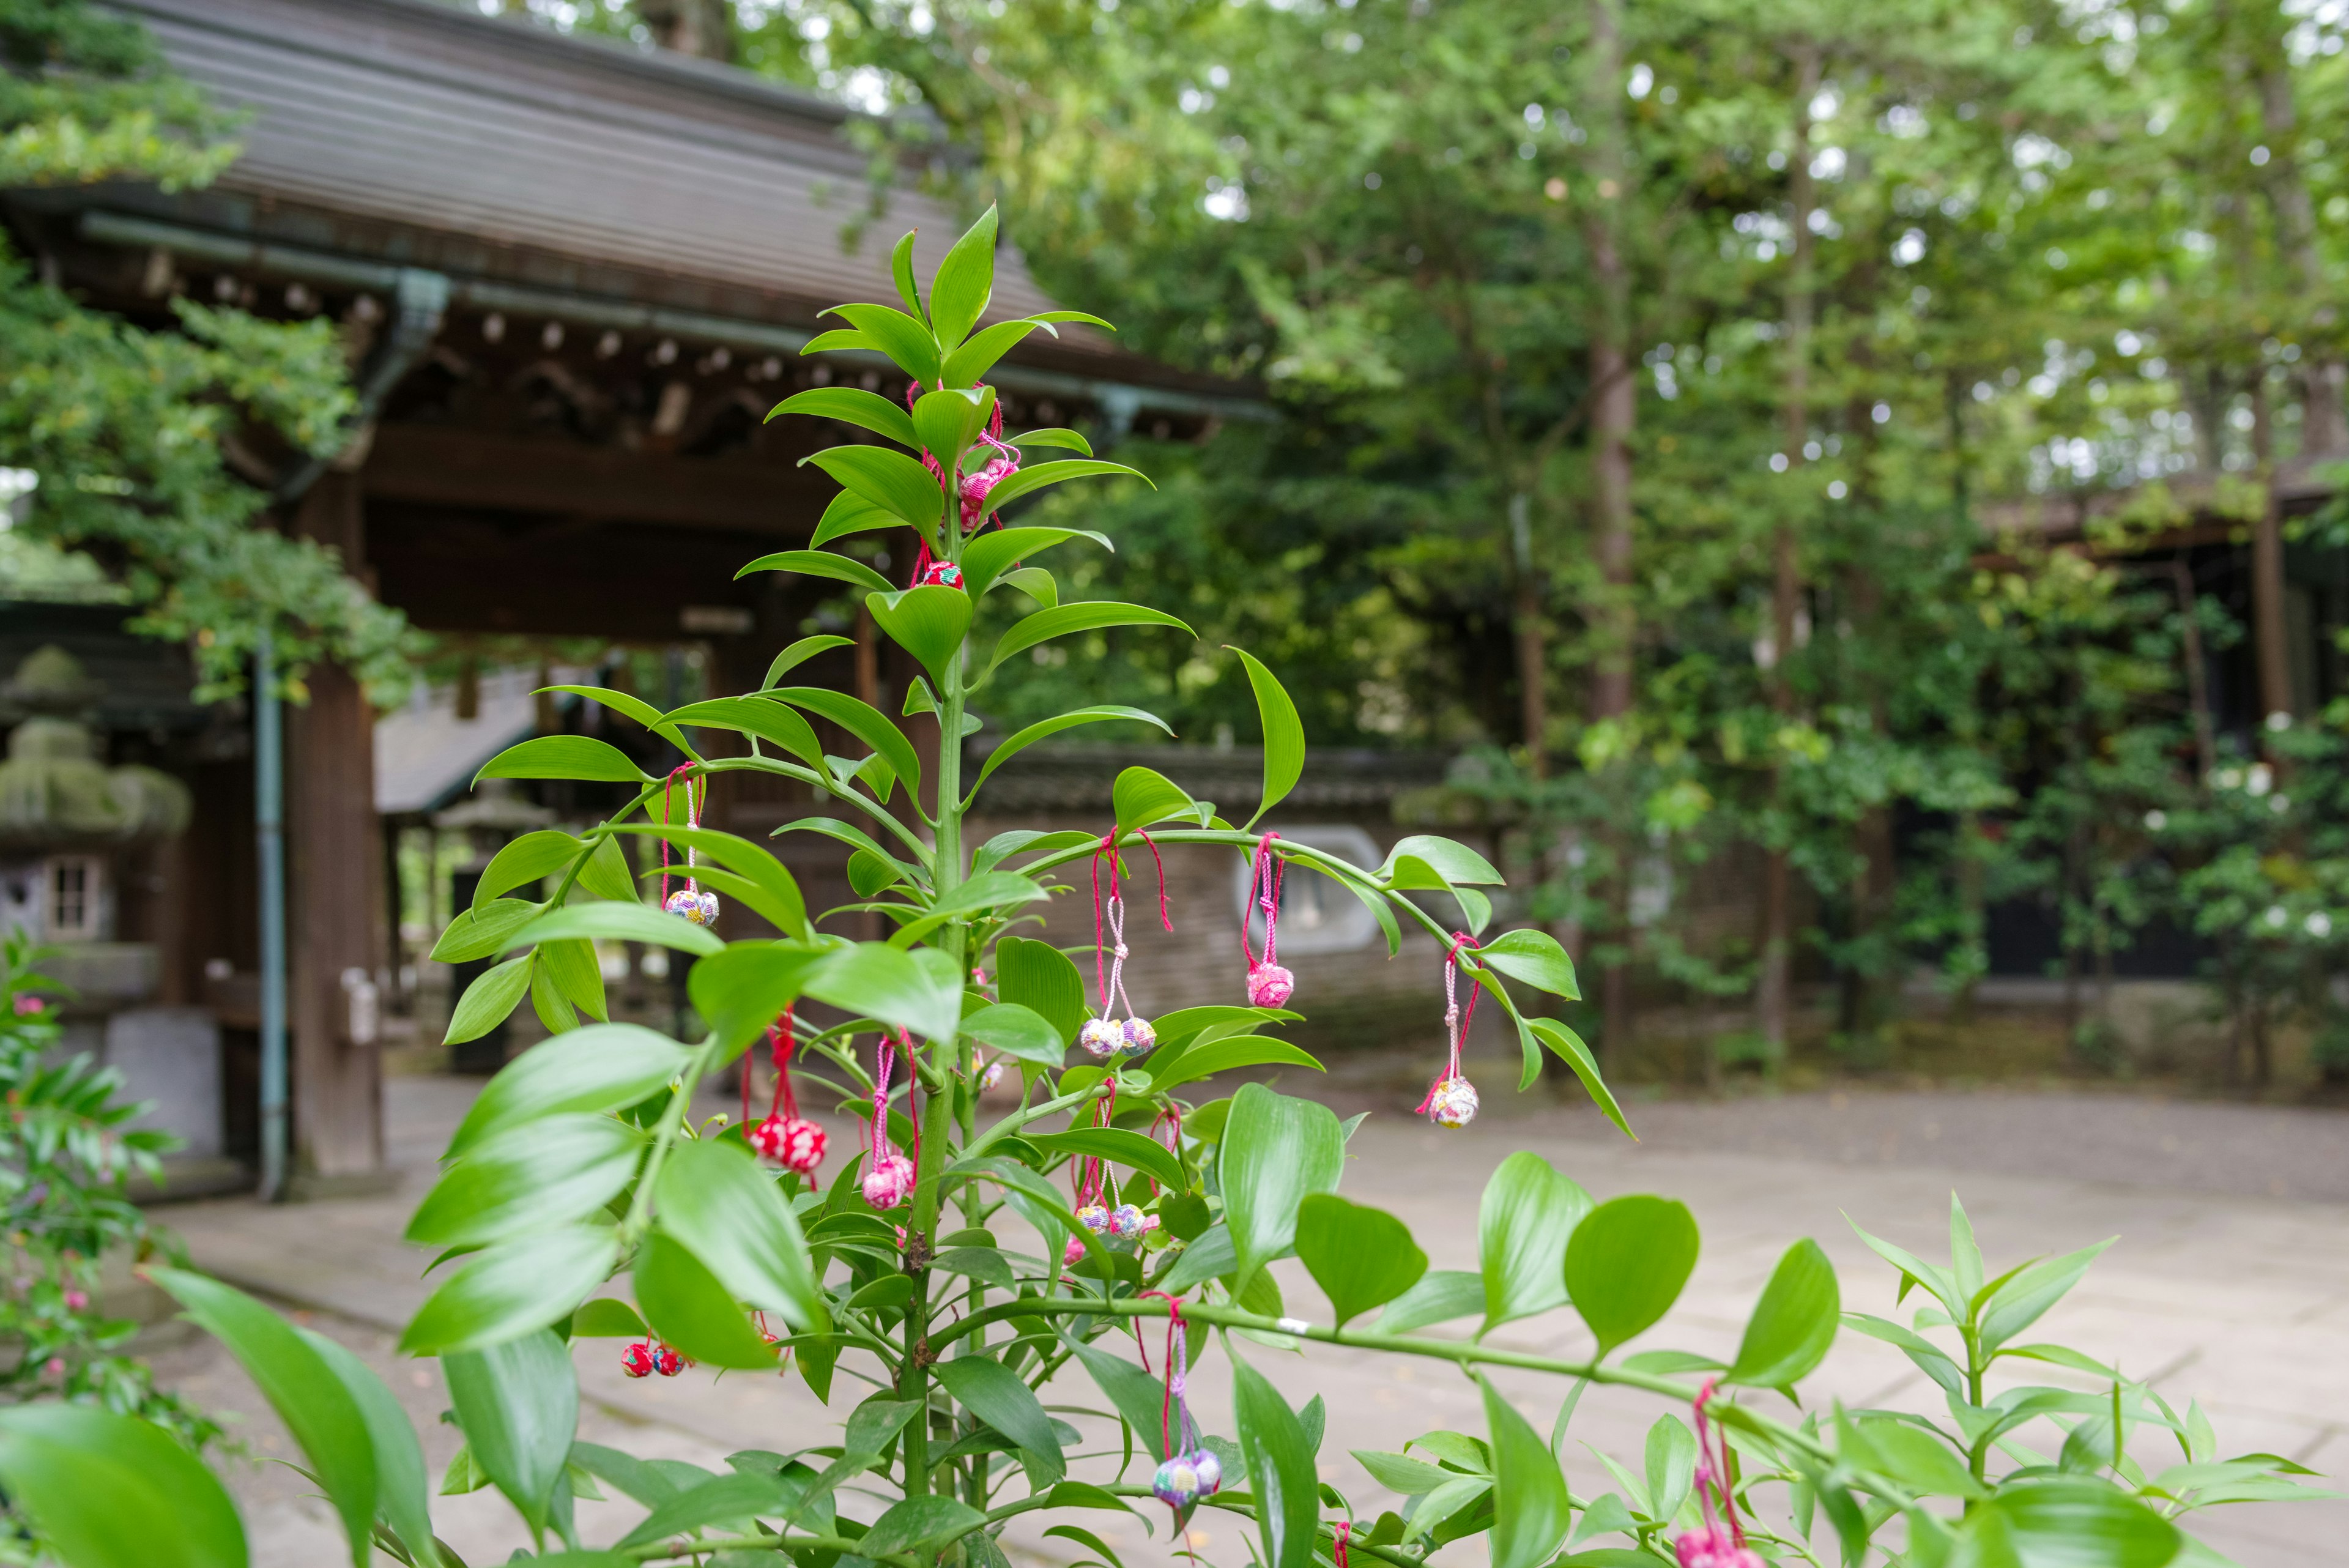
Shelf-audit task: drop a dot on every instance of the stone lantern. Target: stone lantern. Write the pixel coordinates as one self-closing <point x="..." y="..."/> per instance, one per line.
<point x="70" y="828"/>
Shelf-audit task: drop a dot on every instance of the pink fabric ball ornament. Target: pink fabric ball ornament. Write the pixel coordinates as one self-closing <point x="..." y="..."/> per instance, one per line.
<point x="944" y="574"/>
<point x="1269" y="985"/>
<point x="1712" y="1546"/>
<point x="890" y="1181"/>
<point x="792" y="1142"/>
<point x="667" y="1362"/>
<point x="1451" y="1100"/>
<point x="1452" y="1103"/>
<point x="636" y="1360"/>
<point x="976" y="487"/>
<point x="1102" y="1038"/>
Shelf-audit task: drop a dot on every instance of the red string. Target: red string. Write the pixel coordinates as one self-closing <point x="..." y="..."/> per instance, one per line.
<point x="1258" y="878"/>
<point x="780" y="1040"/>
<point x="1711" y="1435"/>
<point x="1166" y="1403"/>
<point x="1344" y="1528"/>
<point x="1459" y="1034"/>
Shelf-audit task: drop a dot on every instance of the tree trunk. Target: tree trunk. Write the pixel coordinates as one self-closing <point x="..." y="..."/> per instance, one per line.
<point x="1614" y="408"/>
<point x="2198" y="674"/>
<point x="2269" y="641"/>
<point x="1773" y="999"/>
<point x="1533" y="675"/>
<point x="2324" y="425"/>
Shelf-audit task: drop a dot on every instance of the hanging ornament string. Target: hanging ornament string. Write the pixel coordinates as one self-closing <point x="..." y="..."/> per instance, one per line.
<point x="1719" y="1542"/>
<point x="889" y="1176"/>
<point x="972" y="493"/>
<point x="1341" y="1529"/>
<point x="1107" y="1035"/>
<point x="689" y="901"/>
<point x="1190" y="1471"/>
<point x="1268" y="984"/>
<point x="1171" y="1118"/>
<point x="1451" y="1099"/>
<point x="785" y="1138"/>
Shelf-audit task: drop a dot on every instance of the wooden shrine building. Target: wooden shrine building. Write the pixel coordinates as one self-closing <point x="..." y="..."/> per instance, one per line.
<point x="573" y="277"/>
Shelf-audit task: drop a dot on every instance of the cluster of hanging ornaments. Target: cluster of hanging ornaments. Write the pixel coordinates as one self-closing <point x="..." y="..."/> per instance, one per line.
<point x="1268" y="984"/>
<point x="691" y="902"/>
<point x="647" y="1356"/>
<point x="972" y="493"/>
<point x="1107" y="1037"/>
<point x="888" y="1174"/>
<point x="1190" y="1471"/>
<point x="1122" y="1227"/>
<point x="785" y="1138"/>
<point x="1719" y="1542"/>
<point x="1451" y="1100"/>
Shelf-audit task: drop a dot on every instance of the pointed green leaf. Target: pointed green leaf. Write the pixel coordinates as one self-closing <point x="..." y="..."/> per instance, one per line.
<point x="1793" y="1323"/>
<point x="488" y="1001"/>
<point x="1627" y="1264"/>
<point x="1530" y="1509"/>
<point x="1281" y="1468"/>
<point x="798" y="653"/>
<point x="1567" y="1047"/>
<point x="113" y="1492"/>
<point x="1533" y="957"/>
<point x="948" y="419"/>
<point x="1143" y="797"/>
<point x="820" y="564"/>
<point x="513" y="1288"/>
<point x="562" y="758"/>
<point x="1524" y="1221"/>
<point x="890" y="480"/>
<point x="1119" y="1144"/>
<point x="402" y="1488"/>
<point x="999" y="1397"/>
<point x="526" y="861"/>
<point x="928" y="622"/>
<point x="1016" y="1032"/>
<point x="518" y="1404"/>
<point x="478" y="933"/>
<point x="965" y="282"/>
<point x="2019" y="1302"/>
<point x="1362" y="1258"/>
<point x="1045" y="728"/>
<point x="555" y="1170"/>
<point x="901" y="271"/>
<point x="1041" y="978"/>
<point x="1276" y="1150"/>
<point x="617" y="922"/>
<point x="904" y="338"/>
<point x="1045" y="625"/>
<point x="1284" y="735"/>
<point x="978" y="354"/>
<point x="1441" y="1295"/>
<point x="690" y="1309"/>
<point x="849" y="512"/>
<point x="1224" y="1056"/>
<point x="604" y="1067"/>
<point x="1028" y="480"/>
<point x="714" y="1197"/>
<point x="991" y="554"/>
<point x="851" y="405"/>
<point x="1424" y="861"/>
<point x="861" y="720"/>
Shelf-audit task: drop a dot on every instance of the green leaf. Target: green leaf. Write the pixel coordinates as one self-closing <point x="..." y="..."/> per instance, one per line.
<point x="1627" y="1264"/>
<point x="799" y="652"/>
<point x="1533" y="957"/>
<point x="1441" y="1295"/>
<point x="1035" y="582"/>
<point x="721" y="1499"/>
<point x="1143" y="797"/>
<point x="1567" y="1047"/>
<point x="904" y="338"/>
<point x="1034" y="478"/>
<point x="1918" y="1459"/>
<point x="1276" y="1150"/>
<point x="1045" y="625"/>
<point x="478" y="933"/>
<point x="851" y="405"/>
<point x="1793" y="1323"/>
<point x="571" y="968"/>
<point x="1055" y="436"/>
<point x="849" y="512"/>
<point x="562" y="758"/>
<point x="928" y="622"/>
<point x="2029" y="1292"/>
<point x="840" y="340"/>
<point x="1527" y="1213"/>
<point x="689" y="1309"/>
<point x="890" y="480"/>
<point x="1284" y="735"/>
<point x="1426" y="862"/>
<point x="1042" y="977"/>
<point x="325" y="1420"/>
<point x="901" y="271"/>
<point x="927" y="1521"/>
<point x="112" y="1491"/>
<point x="965" y="282"/>
<point x="607" y="1317"/>
<point x="1362" y="1258"/>
<point x="988" y="555"/>
<point x="713" y="1197"/>
<point x="861" y="720"/>
<point x="1672" y="1465"/>
<point x="606" y="873"/>
<point x="402" y="1486"/>
<point x="617" y="922"/>
<point x="526" y="861"/>
<point x="1044" y="728"/>
<point x="754" y="862"/>
<point x="1530" y="1510"/>
<point x="1223" y="1055"/>
<point x="741" y="991"/>
<point x="1016" y="1032"/>
<point x="513" y="1288"/>
<point x="518" y="1404"/>
<point x="547" y="1001"/>
<point x="1138" y="1397"/>
<point x="636" y="707"/>
<point x="604" y="1067"/>
<point x="2065" y="1524"/>
<point x="1398" y="1472"/>
<point x="999" y="1397"/>
<point x="494" y="994"/>
<point x="821" y="564"/>
<point x="978" y="354"/>
<point x="1131" y="1149"/>
<point x="919" y="991"/>
<point x="766" y="719"/>
<point x="1281" y="1468"/>
<point x="555" y="1170"/>
<point x="949" y="419"/>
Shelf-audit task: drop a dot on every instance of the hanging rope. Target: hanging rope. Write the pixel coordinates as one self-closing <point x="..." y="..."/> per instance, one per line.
<point x="1451" y="1099"/>
<point x="1107" y="1035"/>
<point x="1268" y="984"/>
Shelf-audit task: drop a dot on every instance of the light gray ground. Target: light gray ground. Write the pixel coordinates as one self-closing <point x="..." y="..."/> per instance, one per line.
<point x="2230" y="1282"/>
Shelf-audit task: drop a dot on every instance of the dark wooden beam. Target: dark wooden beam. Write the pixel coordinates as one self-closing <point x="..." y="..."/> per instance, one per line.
<point x="443" y="467"/>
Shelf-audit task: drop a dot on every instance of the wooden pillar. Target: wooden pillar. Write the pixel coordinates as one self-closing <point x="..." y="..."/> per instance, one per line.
<point x="334" y="901"/>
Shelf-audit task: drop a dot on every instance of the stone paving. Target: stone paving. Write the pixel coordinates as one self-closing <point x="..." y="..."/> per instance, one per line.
<point x="2216" y="1290"/>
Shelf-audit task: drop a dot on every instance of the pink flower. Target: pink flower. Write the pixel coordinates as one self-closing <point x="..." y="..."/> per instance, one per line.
<point x="29" y="1006"/>
<point x="76" y="1301"/>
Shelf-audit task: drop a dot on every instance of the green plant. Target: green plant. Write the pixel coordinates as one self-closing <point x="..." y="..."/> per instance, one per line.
<point x="581" y="1161"/>
<point x="66" y="1161"/>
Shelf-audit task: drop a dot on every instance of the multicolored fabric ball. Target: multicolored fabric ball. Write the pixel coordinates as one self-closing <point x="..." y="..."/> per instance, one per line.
<point x="667" y="1362"/>
<point x="943" y="573"/>
<point x="1177" y="1482"/>
<point x="1127" y="1227"/>
<point x="1136" y="1038"/>
<point x="1452" y="1103"/>
<point x="1269" y="985"/>
<point x="1209" y="1470"/>
<point x="890" y="1182"/>
<point x="696" y="905"/>
<point x="992" y="1076"/>
<point x="636" y="1360"/>
<point x="1102" y="1038"/>
<point x="1713" y="1546"/>
<point x="792" y="1142"/>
